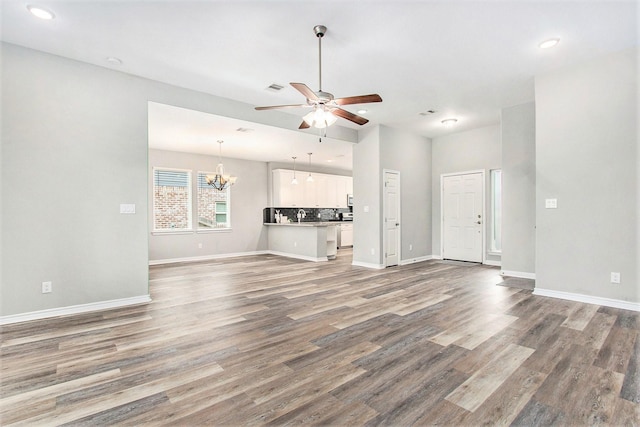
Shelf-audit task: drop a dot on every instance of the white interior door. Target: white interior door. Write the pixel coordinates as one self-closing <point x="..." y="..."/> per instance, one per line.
<point x="462" y="203"/>
<point x="391" y="218"/>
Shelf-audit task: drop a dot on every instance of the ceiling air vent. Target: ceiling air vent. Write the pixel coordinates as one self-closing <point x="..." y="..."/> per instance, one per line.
<point x="244" y="130"/>
<point x="275" y="87"/>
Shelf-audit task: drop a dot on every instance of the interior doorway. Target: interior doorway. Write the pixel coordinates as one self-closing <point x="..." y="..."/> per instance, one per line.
<point x="462" y="219"/>
<point x="391" y="207"/>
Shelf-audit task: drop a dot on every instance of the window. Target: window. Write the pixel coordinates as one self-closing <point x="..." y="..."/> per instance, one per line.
<point x="496" y="210"/>
<point x="171" y="200"/>
<point x="213" y="205"/>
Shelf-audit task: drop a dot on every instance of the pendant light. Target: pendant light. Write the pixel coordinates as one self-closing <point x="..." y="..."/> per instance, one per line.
<point x="294" y="181"/>
<point x="309" y="178"/>
<point x="220" y="181"/>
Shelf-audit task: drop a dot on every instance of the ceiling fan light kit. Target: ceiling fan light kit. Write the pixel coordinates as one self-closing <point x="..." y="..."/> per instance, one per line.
<point x="325" y="108"/>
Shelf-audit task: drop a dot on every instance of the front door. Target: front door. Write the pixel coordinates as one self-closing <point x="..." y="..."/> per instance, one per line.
<point x="462" y="217"/>
<point x="391" y="218"/>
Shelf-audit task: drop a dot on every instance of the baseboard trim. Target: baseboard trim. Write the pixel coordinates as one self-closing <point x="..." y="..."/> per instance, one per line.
<point x="74" y="309"/>
<point x="296" y="256"/>
<point x="367" y="265"/>
<point x="415" y="260"/>
<point x="492" y="263"/>
<point x="607" y="302"/>
<point x="519" y="274"/>
<point x="205" y="257"/>
<point x="437" y="257"/>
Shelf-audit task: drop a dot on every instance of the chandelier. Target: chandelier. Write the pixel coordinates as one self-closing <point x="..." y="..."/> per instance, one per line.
<point x="220" y="181"/>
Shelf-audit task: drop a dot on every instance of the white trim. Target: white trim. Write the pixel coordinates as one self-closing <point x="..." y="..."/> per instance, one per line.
<point x="214" y="230"/>
<point x="415" y="260"/>
<point x="589" y="299"/>
<point x="368" y="265"/>
<point x="74" y="309"/>
<point x="492" y="263"/>
<point x="484" y="208"/>
<point x="519" y="274"/>
<point x="205" y="257"/>
<point x="302" y="257"/>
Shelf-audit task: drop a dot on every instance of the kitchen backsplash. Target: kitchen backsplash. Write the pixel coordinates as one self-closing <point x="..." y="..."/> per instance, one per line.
<point x="311" y="214"/>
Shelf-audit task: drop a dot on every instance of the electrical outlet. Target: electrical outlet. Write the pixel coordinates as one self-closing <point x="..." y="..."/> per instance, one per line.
<point x="295" y="244"/>
<point x="615" y="277"/>
<point x="47" y="287"/>
<point x="199" y="245"/>
<point x="551" y="203"/>
<point x="410" y="247"/>
<point x="373" y="251"/>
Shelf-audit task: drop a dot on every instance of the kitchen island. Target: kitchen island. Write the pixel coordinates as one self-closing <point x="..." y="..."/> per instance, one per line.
<point x="311" y="241"/>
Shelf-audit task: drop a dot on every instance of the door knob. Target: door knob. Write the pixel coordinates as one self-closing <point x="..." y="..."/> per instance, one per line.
<point x="397" y="224"/>
<point x="479" y="222"/>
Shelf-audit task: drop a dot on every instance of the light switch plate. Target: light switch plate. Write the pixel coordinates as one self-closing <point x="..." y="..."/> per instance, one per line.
<point x="127" y="208"/>
<point x="551" y="203"/>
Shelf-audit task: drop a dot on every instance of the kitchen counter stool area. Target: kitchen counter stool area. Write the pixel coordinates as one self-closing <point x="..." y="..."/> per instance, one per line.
<point x="311" y="241"/>
<point x="305" y="233"/>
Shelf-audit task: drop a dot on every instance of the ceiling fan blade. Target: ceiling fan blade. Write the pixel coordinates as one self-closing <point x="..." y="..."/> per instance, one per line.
<point x="361" y="99"/>
<point x="349" y="116"/>
<point x="304" y="89"/>
<point x="304" y="125"/>
<point x="272" y="107"/>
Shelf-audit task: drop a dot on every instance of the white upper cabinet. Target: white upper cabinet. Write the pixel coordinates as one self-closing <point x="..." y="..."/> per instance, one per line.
<point x="325" y="191"/>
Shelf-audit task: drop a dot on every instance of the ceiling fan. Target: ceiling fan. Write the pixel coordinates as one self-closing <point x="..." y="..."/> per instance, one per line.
<point x="324" y="106"/>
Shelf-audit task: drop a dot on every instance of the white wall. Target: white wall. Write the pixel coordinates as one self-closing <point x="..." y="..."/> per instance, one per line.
<point x="587" y="158"/>
<point x="461" y="152"/>
<point x="367" y="181"/>
<point x="411" y="156"/>
<point x="518" y="125"/>
<point x="74" y="146"/>
<point x="248" y="198"/>
<point x="382" y="147"/>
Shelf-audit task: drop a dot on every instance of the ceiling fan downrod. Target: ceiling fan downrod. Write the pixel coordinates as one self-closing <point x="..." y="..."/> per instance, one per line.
<point x="320" y="31"/>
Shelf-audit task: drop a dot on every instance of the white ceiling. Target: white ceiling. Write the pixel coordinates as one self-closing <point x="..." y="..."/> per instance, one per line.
<point x="464" y="59"/>
<point x="178" y="129"/>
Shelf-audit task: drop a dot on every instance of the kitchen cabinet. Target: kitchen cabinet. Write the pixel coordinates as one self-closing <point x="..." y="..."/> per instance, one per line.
<point x="325" y="191"/>
<point x="288" y="194"/>
<point x="346" y="235"/>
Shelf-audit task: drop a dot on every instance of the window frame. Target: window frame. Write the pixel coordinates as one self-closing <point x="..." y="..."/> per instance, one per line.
<point x="188" y="173"/>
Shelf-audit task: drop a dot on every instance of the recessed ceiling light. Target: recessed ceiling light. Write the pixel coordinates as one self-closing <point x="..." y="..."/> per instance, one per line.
<point x="113" y="60"/>
<point x="329" y="161"/>
<point x="362" y="111"/>
<point x="548" y="43"/>
<point x="40" y="12"/>
<point x="449" y="122"/>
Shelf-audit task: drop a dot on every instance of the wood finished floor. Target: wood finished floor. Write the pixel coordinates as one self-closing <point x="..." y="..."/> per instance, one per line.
<point x="265" y="340"/>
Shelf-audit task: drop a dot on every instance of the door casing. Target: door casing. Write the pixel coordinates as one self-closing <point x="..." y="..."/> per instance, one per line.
<point x="384" y="222"/>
